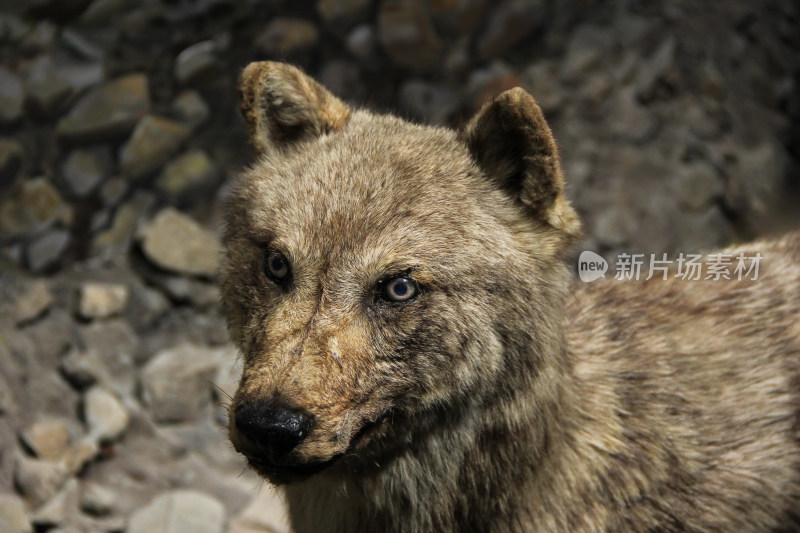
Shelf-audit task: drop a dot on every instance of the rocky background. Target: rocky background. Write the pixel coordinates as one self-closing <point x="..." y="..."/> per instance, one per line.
<point x="678" y="124"/>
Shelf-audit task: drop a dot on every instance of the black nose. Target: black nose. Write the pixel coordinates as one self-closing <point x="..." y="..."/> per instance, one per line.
<point x="276" y="427"/>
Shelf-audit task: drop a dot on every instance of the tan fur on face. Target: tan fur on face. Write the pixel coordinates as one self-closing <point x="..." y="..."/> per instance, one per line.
<point x="502" y="398"/>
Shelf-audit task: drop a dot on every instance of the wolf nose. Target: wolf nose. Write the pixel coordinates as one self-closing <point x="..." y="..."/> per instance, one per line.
<point x="276" y="427"/>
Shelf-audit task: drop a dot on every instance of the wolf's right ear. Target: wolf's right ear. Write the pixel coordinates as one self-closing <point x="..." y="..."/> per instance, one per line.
<point x="283" y="106"/>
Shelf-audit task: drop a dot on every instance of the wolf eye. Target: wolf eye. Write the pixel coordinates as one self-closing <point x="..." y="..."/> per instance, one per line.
<point x="276" y="267"/>
<point x="400" y="289"/>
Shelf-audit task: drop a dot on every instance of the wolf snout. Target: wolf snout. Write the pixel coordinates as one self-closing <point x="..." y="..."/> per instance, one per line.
<point x="275" y="428"/>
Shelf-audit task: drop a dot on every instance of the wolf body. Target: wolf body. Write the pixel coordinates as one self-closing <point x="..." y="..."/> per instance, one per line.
<point x="417" y="358"/>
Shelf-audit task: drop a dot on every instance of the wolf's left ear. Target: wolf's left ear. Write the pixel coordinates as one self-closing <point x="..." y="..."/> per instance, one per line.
<point x="283" y="106"/>
<point x="510" y="140"/>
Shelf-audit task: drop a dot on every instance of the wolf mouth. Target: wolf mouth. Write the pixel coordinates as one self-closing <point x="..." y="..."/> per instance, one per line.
<point x="289" y="473"/>
<point x="296" y="472"/>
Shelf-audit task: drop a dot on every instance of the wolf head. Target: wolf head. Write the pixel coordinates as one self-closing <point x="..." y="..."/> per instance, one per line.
<point x="377" y="270"/>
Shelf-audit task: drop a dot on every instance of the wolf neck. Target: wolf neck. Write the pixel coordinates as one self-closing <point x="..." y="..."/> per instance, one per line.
<point x="480" y="467"/>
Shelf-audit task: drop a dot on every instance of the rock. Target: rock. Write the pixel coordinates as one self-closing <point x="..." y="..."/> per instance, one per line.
<point x="33" y="302"/>
<point x="110" y="110"/>
<point x="148" y="306"/>
<point x="287" y="37"/>
<point x="46" y="90"/>
<point x="699" y="185"/>
<point x="190" y="108"/>
<point x="84" y="169"/>
<point x="80" y="75"/>
<point x="613" y="227"/>
<point x="191" y="171"/>
<point x="102" y="300"/>
<point x="341" y="15"/>
<point x="45" y="252"/>
<point x="51" y="336"/>
<point x="101" y="11"/>
<point x="659" y="74"/>
<point x="11" y="153"/>
<point x="39" y="480"/>
<point x="631" y="121"/>
<point x="12" y="96"/>
<point x="188" y="290"/>
<point x="117" y="238"/>
<point x="29" y="207"/>
<point x="361" y="42"/>
<point x="707" y="119"/>
<point x="153" y="142"/>
<point x="79" y="455"/>
<point x="57" y="510"/>
<point x="113" y="191"/>
<point x="428" y="102"/>
<point x="584" y="51"/>
<point x="342" y="78"/>
<point x="407" y="34"/>
<point x="179" y="511"/>
<point x="97" y="500"/>
<point x="509" y="24"/>
<point x="195" y="61"/>
<point x="176" y="382"/>
<point x="541" y="81"/>
<point x="13" y="516"/>
<point x="265" y="512"/>
<point x="757" y="177"/>
<point x="47" y="439"/>
<point x="175" y="242"/>
<point x="84" y="368"/>
<point x="104" y="414"/>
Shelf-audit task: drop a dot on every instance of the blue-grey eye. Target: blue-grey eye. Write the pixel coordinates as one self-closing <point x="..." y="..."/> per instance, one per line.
<point x="276" y="266"/>
<point x="400" y="289"/>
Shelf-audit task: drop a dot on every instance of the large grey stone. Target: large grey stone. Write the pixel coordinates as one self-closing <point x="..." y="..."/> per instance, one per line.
<point x="46" y="90"/>
<point x="190" y="108"/>
<point x="97" y="500"/>
<point x="109" y="110"/>
<point x="47" y="438"/>
<point x="29" y="207"/>
<point x="194" y="61"/>
<point x="117" y="238"/>
<point x="509" y="24"/>
<point x="102" y="300"/>
<point x="84" y="169"/>
<point x="34" y="301"/>
<point x="154" y="140"/>
<point x="104" y="414"/>
<point x="175" y="242"/>
<point x="39" y="480"/>
<point x="13" y="516"/>
<point x="46" y="251"/>
<point x="287" y="37"/>
<point x="176" y="382"/>
<point x="341" y="15"/>
<point x="188" y="172"/>
<point x="179" y="511"/>
<point x="407" y="34"/>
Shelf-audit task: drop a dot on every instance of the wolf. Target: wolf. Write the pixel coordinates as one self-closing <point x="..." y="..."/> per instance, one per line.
<point x="418" y="358"/>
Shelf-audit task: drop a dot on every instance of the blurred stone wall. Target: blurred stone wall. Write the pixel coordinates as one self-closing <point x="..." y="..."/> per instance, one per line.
<point x="678" y="124"/>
